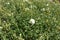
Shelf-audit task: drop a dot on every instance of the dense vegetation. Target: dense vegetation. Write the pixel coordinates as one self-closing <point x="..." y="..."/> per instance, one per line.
<point x="15" y="16"/>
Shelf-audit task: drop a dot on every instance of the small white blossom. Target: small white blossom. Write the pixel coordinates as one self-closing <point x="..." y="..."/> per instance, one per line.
<point x="32" y="21"/>
<point x="1" y="27"/>
<point x="47" y="4"/>
<point x="20" y="34"/>
<point x="43" y="9"/>
<point x="7" y="3"/>
<point x="4" y="21"/>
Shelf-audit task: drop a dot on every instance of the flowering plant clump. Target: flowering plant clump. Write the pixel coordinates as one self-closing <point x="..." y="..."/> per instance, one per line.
<point x="29" y="20"/>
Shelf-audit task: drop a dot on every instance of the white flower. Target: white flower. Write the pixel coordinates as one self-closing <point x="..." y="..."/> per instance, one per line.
<point x="1" y="27"/>
<point x="47" y="4"/>
<point x="20" y="34"/>
<point x="7" y="3"/>
<point x="32" y="21"/>
<point x="4" y="21"/>
<point x="43" y="9"/>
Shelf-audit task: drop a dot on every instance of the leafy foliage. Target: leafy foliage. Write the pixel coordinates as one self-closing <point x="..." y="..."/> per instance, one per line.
<point x="15" y="16"/>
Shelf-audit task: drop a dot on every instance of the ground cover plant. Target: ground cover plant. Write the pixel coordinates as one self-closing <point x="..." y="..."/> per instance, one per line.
<point x="29" y="20"/>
